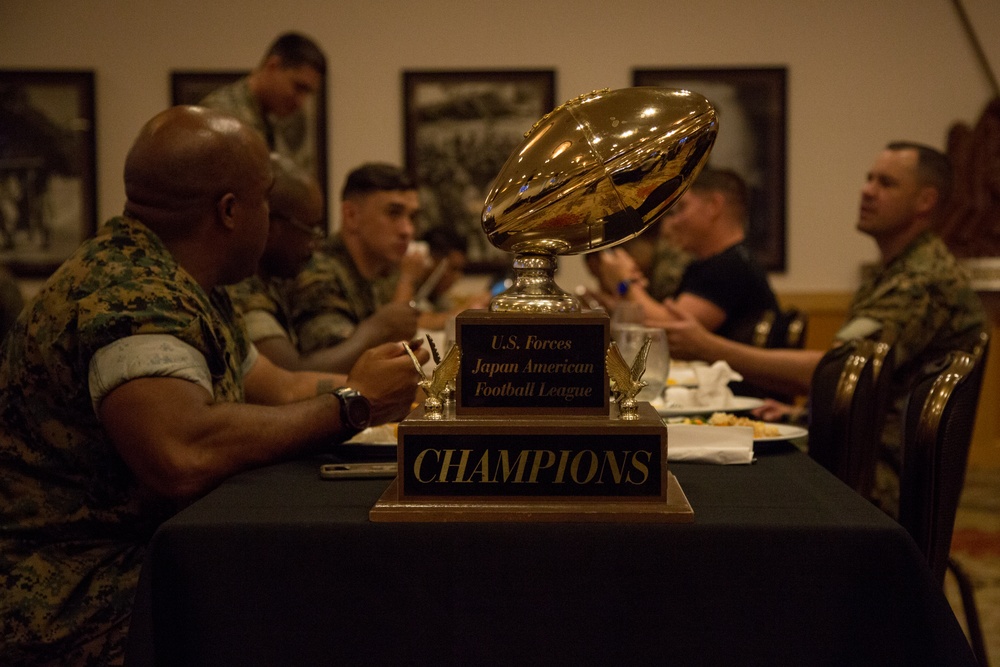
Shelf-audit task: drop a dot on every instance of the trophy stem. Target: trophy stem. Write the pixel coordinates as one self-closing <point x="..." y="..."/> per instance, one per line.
<point x="534" y="289"/>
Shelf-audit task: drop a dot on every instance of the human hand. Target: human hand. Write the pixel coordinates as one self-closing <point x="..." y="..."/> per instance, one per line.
<point x="415" y="263"/>
<point x="392" y="322"/>
<point x="385" y="375"/>
<point x="686" y="336"/>
<point x="615" y="266"/>
<point x="776" y="411"/>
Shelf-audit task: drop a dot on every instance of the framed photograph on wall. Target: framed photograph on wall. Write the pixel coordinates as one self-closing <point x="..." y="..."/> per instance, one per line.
<point x="48" y="180"/>
<point x="751" y="106"/>
<point x="191" y="87"/>
<point x="460" y="128"/>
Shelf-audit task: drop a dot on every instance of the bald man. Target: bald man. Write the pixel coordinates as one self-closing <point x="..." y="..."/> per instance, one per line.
<point x="126" y="385"/>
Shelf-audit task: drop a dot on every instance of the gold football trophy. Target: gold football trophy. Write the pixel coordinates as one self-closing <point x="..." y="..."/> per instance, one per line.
<point x="594" y="172"/>
<point x="531" y="436"/>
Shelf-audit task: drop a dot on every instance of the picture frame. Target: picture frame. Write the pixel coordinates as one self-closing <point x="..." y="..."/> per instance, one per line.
<point x="48" y="178"/>
<point x="460" y="127"/>
<point x="751" y="103"/>
<point x="191" y="86"/>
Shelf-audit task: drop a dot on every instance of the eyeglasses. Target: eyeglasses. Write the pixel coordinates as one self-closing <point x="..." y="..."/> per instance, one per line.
<point x="314" y="232"/>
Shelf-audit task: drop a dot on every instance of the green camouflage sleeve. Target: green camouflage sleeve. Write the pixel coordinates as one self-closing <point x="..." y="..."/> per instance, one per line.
<point x="322" y="310"/>
<point x="924" y="305"/>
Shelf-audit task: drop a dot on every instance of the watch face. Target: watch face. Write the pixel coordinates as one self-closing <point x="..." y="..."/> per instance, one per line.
<point x="356" y="408"/>
<point x="358" y="412"/>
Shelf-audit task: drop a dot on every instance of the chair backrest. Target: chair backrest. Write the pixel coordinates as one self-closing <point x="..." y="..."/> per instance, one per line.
<point x="940" y="415"/>
<point x="785" y="329"/>
<point x="849" y="397"/>
<point x="796" y="324"/>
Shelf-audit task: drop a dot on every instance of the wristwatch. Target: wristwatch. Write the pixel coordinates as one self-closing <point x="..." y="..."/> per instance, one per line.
<point x="355" y="410"/>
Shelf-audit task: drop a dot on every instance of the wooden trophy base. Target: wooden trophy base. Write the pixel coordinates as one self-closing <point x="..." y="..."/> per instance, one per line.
<point x="472" y="490"/>
<point x="676" y="509"/>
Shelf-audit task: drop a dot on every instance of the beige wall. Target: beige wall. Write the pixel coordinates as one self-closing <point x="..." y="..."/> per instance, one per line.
<point x="860" y="73"/>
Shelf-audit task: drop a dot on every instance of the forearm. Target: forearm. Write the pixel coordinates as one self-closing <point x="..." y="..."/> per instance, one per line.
<point x="337" y="358"/>
<point x="238" y="436"/>
<point x="181" y="444"/>
<point x="783" y="371"/>
<point x="651" y="308"/>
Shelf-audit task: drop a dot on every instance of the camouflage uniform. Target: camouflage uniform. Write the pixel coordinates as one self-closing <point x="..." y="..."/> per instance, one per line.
<point x="288" y="136"/>
<point x="264" y="305"/>
<point x="329" y="298"/>
<point x="923" y="303"/>
<point x="11" y="302"/>
<point x="74" y="522"/>
<point x="669" y="263"/>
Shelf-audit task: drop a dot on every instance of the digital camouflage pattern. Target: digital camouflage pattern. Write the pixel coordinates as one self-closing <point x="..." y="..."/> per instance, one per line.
<point x="329" y="298"/>
<point x="289" y="136"/>
<point x="926" y="308"/>
<point x="11" y="302"/>
<point x="73" y="521"/>
<point x="267" y="294"/>
<point x="668" y="267"/>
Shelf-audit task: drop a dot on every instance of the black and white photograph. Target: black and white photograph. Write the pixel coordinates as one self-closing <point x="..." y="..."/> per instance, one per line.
<point x="47" y="176"/>
<point x="460" y="128"/>
<point x="750" y="103"/>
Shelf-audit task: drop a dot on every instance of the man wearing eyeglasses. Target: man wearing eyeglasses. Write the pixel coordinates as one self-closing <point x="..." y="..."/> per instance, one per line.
<point x="298" y="227"/>
<point x="355" y="293"/>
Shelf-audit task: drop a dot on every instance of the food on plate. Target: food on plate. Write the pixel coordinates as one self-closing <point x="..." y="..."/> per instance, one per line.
<point x="760" y="429"/>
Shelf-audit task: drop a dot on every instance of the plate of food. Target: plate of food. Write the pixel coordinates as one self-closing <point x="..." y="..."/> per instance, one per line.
<point x="373" y="442"/>
<point x="762" y="431"/>
<point x="734" y="404"/>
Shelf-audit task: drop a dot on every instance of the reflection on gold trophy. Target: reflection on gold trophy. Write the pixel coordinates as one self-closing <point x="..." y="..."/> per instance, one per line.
<point x="531" y="435"/>
<point x="439" y="386"/>
<point x="596" y="171"/>
<point x="626" y="381"/>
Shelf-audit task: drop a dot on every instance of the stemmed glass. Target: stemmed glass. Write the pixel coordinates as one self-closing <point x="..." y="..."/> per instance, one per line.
<point x="628" y="331"/>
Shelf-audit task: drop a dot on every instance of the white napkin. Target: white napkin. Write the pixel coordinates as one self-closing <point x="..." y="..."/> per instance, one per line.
<point x="710" y="444"/>
<point x="713" y="385"/>
<point x="675" y="398"/>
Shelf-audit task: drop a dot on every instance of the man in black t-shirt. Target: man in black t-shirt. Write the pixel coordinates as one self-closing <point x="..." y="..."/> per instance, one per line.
<point x="723" y="288"/>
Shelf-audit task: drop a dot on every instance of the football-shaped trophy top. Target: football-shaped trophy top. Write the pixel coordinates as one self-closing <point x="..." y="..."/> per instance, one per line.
<point x="596" y="171"/>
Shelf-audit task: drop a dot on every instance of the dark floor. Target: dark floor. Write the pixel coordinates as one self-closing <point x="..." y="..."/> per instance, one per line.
<point x="976" y="545"/>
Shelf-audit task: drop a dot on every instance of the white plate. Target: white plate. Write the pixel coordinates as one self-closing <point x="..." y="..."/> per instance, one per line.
<point x="737" y="404"/>
<point x="383" y="435"/>
<point x="785" y="432"/>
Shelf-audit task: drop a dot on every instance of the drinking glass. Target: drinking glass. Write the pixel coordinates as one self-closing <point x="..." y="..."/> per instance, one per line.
<point x="630" y="338"/>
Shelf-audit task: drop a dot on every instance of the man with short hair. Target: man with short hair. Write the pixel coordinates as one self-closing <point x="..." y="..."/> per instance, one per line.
<point x="128" y="388"/>
<point x="272" y="97"/>
<point x="919" y="298"/>
<point x="723" y="287"/>
<point x="356" y="292"/>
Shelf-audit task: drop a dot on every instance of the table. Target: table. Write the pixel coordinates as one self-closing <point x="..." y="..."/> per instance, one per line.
<point x="783" y="565"/>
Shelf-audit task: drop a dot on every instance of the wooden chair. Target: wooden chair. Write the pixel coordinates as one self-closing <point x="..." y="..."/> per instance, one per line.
<point x="848" y="398"/>
<point x="939" y="418"/>
<point x="781" y="329"/>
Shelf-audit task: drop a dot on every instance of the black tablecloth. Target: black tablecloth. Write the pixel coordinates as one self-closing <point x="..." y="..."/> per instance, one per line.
<point x="783" y="565"/>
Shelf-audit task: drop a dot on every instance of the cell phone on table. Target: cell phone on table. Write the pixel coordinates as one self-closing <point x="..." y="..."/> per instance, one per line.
<point x="357" y="470"/>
